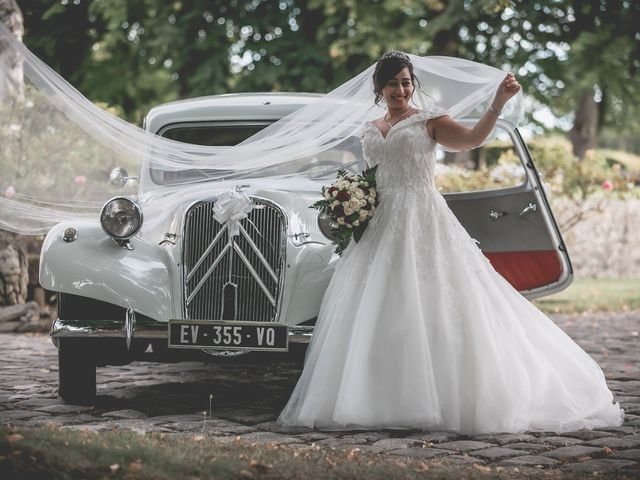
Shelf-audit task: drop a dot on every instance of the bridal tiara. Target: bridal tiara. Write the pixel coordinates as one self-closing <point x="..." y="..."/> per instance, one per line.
<point x="395" y="54"/>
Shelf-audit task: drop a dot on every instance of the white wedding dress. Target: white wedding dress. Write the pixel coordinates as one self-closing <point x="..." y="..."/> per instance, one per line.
<point x="417" y="330"/>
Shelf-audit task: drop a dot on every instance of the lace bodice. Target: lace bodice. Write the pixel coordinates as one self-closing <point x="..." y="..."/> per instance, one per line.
<point x="406" y="157"/>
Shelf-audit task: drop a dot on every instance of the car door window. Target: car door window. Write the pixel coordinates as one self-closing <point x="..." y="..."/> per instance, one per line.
<point x="493" y="166"/>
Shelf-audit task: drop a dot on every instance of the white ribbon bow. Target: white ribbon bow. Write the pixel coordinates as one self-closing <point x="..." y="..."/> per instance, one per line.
<point x="231" y="207"/>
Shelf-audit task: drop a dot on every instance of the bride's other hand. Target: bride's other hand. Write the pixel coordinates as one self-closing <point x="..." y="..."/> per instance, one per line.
<point x="507" y="89"/>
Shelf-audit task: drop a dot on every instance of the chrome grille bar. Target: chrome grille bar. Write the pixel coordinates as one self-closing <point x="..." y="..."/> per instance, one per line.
<point x="254" y="263"/>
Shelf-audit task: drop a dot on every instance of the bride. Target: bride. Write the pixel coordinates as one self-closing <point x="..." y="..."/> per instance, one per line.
<point x="416" y="329"/>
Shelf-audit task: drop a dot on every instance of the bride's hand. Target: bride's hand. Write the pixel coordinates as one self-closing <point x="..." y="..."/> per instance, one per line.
<point x="507" y="89"/>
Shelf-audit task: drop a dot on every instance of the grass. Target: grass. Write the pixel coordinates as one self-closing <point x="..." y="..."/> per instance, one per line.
<point x="594" y="295"/>
<point x="54" y="453"/>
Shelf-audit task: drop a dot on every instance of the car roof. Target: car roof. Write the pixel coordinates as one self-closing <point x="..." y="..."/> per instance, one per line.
<point x="267" y="106"/>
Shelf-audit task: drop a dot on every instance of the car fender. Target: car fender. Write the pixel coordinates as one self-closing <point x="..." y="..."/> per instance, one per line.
<point x="311" y="267"/>
<point x="94" y="266"/>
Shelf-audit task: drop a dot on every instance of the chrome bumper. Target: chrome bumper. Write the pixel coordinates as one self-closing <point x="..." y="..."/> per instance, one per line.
<point x="118" y="329"/>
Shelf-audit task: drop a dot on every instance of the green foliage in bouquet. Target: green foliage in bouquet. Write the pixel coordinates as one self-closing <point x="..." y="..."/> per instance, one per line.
<point x="349" y="203"/>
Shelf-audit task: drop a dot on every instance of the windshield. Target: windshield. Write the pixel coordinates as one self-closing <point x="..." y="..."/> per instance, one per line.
<point x="346" y="155"/>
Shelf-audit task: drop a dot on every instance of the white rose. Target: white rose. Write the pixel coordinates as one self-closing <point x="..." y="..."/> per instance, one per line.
<point x="359" y="193"/>
<point x="335" y="193"/>
<point x="363" y="203"/>
<point x="335" y="203"/>
<point x="348" y="210"/>
<point x="373" y="193"/>
<point x="341" y="221"/>
<point x="345" y="204"/>
<point x="354" y="202"/>
<point x="363" y="214"/>
<point x="356" y="223"/>
<point x="353" y="187"/>
<point x="343" y="185"/>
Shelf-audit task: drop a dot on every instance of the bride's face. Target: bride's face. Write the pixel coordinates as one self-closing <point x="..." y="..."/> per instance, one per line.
<point x="398" y="90"/>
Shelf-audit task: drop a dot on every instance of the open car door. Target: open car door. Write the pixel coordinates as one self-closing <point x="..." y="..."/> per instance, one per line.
<point x="508" y="214"/>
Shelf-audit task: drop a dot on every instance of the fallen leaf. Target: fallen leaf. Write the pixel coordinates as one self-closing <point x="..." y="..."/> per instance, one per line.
<point x="330" y="461"/>
<point x="14" y="437"/>
<point x="481" y="468"/>
<point x="353" y="453"/>
<point x="246" y="474"/>
<point x="259" y="466"/>
<point x="114" y="468"/>
<point x="583" y="458"/>
<point x="607" y="451"/>
<point x="422" y="467"/>
<point x="198" y="438"/>
<point x="135" y="466"/>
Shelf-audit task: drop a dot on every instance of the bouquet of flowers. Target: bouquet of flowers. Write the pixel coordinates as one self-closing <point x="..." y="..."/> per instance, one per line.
<point x="348" y="204"/>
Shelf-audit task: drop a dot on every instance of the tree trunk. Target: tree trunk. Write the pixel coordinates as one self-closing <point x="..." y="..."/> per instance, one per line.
<point x="11" y="81"/>
<point x="14" y="274"/>
<point x="584" y="133"/>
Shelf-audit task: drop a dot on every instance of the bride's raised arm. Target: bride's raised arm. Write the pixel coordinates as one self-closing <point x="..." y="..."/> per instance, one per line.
<point x="451" y="134"/>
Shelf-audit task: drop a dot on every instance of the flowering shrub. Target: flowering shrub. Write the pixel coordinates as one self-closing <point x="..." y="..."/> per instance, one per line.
<point x="349" y="203"/>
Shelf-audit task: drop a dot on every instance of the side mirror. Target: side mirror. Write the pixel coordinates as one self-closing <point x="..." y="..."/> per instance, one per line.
<point x="119" y="177"/>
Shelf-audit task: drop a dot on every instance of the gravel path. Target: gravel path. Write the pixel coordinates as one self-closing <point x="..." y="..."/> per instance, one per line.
<point x="246" y="400"/>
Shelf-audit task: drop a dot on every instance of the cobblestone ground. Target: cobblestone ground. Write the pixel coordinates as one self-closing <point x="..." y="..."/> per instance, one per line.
<point x="149" y="397"/>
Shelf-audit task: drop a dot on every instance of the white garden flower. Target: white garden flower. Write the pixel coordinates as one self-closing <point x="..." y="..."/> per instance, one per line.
<point x="356" y="223"/>
<point x="345" y="204"/>
<point x="341" y="221"/>
<point x="335" y="193"/>
<point x="363" y="202"/>
<point x="354" y="202"/>
<point x="359" y="193"/>
<point x="348" y="210"/>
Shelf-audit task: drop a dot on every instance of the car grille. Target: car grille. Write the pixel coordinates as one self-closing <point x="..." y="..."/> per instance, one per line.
<point x="238" y="280"/>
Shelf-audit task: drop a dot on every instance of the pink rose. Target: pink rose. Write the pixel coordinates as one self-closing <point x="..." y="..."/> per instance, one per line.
<point x="607" y="185"/>
<point x="10" y="192"/>
<point x="80" y="180"/>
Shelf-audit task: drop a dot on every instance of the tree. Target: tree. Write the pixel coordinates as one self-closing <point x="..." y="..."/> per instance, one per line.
<point x="12" y="89"/>
<point x="578" y="57"/>
<point x="13" y="257"/>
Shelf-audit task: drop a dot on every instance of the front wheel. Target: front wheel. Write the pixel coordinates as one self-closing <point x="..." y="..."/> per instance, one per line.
<point x="77" y="371"/>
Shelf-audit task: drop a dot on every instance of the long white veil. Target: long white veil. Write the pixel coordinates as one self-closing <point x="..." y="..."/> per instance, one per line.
<point x="57" y="148"/>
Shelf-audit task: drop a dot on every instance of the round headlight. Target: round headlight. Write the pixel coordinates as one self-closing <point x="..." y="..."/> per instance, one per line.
<point x="121" y="218"/>
<point x="324" y="222"/>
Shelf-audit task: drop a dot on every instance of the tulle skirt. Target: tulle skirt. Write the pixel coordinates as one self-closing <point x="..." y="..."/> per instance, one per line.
<point x="417" y="330"/>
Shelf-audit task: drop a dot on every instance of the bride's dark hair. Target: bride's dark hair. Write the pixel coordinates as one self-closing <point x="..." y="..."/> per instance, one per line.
<point x="387" y="67"/>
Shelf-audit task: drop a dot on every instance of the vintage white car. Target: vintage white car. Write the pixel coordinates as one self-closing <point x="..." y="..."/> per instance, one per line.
<point x="191" y="293"/>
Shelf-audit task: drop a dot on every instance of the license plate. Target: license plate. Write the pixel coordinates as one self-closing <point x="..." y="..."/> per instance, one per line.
<point x="224" y="335"/>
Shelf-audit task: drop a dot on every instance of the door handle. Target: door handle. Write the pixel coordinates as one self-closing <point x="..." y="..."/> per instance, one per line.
<point x="496" y="214"/>
<point x="532" y="207"/>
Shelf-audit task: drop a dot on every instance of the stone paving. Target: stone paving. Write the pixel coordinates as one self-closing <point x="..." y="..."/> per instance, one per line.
<point x="235" y="400"/>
